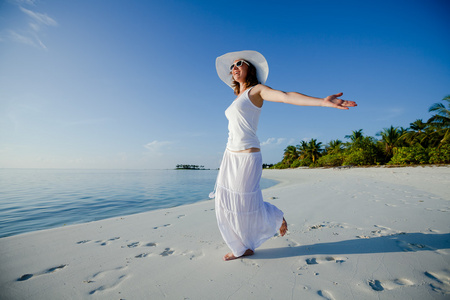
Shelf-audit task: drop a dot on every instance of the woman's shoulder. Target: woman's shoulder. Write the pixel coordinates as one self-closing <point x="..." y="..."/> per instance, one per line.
<point x="256" y="89"/>
<point x="255" y="95"/>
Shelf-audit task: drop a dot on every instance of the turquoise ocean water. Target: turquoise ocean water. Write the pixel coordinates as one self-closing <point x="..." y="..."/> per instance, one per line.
<point x="36" y="199"/>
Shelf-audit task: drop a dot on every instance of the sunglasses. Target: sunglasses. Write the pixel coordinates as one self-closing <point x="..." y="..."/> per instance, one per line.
<point x="238" y="64"/>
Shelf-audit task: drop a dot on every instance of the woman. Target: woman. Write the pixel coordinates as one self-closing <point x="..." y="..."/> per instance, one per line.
<point x="244" y="219"/>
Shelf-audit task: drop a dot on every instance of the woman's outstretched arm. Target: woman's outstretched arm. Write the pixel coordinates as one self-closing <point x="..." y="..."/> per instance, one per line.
<point x="261" y="92"/>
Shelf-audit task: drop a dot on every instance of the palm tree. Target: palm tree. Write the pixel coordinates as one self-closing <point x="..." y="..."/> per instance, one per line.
<point x="401" y="141"/>
<point x="301" y="148"/>
<point x="356" y="134"/>
<point x="417" y="133"/>
<point x="334" y="146"/>
<point x="312" y="149"/>
<point x="290" y="154"/>
<point x="441" y="120"/>
<point x="390" y="137"/>
<point x="418" y="125"/>
<point x="355" y="138"/>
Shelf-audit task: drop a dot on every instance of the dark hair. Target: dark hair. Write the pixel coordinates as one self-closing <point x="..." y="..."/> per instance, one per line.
<point x="251" y="79"/>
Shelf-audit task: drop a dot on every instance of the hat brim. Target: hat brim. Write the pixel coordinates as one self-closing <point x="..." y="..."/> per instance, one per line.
<point x="224" y="62"/>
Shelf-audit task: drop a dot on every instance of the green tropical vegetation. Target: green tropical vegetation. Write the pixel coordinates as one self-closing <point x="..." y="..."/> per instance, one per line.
<point x="189" y="167"/>
<point x="421" y="143"/>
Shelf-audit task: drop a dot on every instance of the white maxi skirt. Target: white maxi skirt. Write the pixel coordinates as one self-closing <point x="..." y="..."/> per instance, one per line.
<point x="244" y="219"/>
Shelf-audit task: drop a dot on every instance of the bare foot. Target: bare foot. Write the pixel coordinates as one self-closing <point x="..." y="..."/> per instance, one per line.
<point x="283" y="228"/>
<point x="230" y="256"/>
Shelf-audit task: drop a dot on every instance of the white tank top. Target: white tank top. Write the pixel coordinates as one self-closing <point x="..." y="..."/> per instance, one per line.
<point x="243" y="117"/>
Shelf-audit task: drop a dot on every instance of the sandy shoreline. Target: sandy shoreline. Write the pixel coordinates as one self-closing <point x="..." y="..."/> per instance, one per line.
<point x="375" y="233"/>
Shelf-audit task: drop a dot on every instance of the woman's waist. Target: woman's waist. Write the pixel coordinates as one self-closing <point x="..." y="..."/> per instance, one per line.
<point x="248" y="144"/>
<point x="248" y="150"/>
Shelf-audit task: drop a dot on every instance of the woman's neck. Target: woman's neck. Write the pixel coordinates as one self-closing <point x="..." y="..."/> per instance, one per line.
<point x="242" y="88"/>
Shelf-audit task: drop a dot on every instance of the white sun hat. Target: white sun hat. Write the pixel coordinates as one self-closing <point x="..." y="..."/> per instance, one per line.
<point x="224" y="62"/>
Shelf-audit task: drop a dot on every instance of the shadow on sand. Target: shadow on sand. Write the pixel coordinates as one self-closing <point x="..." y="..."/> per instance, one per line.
<point x="385" y="244"/>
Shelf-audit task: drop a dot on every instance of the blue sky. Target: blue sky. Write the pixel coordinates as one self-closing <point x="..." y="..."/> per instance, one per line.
<point x="132" y="84"/>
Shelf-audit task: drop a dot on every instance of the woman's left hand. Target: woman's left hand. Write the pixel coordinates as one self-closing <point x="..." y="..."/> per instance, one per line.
<point x="334" y="101"/>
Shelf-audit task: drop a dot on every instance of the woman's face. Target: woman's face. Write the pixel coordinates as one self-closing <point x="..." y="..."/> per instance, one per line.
<point x="239" y="73"/>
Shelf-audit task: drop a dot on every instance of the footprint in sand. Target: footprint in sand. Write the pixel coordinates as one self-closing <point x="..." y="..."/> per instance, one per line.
<point x="133" y="245"/>
<point x="83" y="242"/>
<point x="193" y="255"/>
<point x="139" y="244"/>
<point x="167" y="252"/>
<point x="381" y="285"/>
<point x="384" y="231"/>
<point x="325" y="294"/>
<point x="106" y="242"/>
<point x="316" y="226"/>
<point x="441" y="281"/>
<point x="292" y="243"/>
<point x="411" y="247"/>
<point x="249" y="262"/>
<point x="376" y="285"/>
<point x="165" y="225"/>
<point x="142" y="255"/>
<point x="329" y="225"/>
<point x="363" y="237"/>
<point x="48" y="271"/>
<point x="319" y="260"/>
<point x="108" y="279"/>
<point x="381" y="231"/>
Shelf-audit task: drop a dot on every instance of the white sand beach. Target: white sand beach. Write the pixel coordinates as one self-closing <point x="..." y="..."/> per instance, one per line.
<point x="359" y="233"/>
